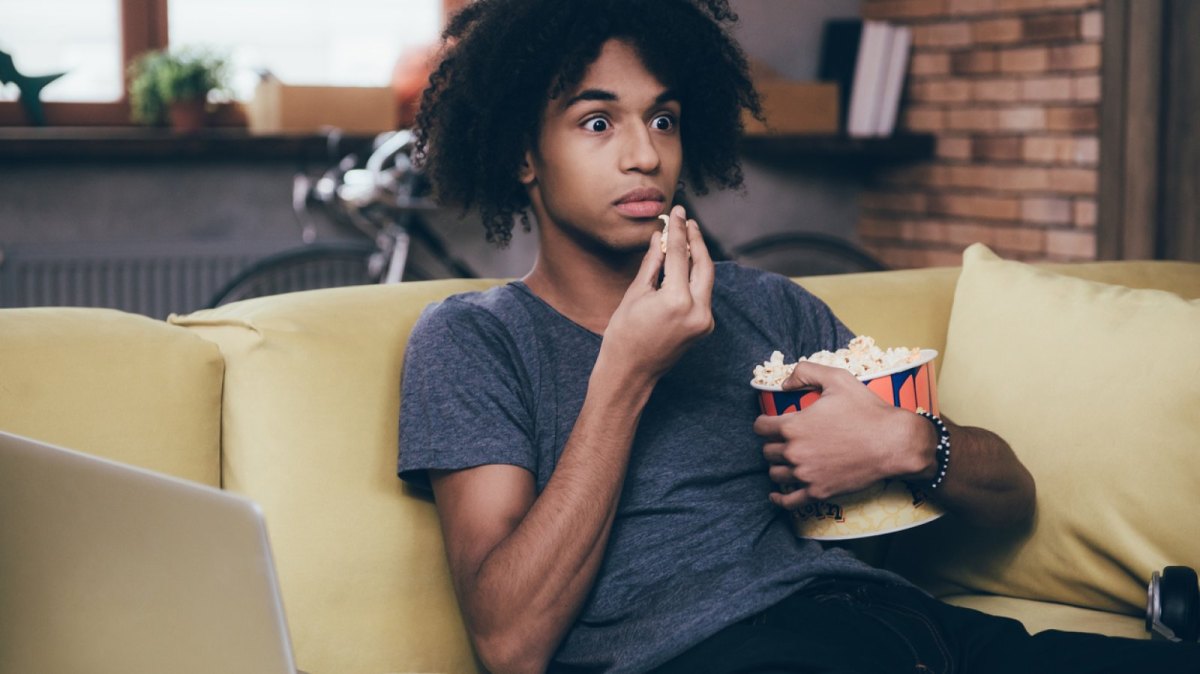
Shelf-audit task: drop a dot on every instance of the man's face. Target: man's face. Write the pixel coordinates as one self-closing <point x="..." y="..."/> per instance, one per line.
<point x="608" y="156"/>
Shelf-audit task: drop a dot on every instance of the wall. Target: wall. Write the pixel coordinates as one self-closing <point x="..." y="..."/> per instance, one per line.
<point x="90" y="201"/>
<point x="1011" y="88"/>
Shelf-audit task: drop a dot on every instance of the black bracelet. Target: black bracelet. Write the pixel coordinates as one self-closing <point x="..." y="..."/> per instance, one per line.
<point x="941" y="453"/>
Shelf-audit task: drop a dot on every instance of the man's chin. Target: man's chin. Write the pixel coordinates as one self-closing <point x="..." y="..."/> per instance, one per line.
<point x="624" y="239"/>
<point x="619" y="252"/>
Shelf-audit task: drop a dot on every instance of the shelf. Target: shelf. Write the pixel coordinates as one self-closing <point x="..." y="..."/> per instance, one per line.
<point x="790" y="150"/>
<point x="140" y="143"/>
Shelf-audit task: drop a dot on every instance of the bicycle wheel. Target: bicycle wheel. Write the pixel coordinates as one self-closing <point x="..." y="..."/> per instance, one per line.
<point x="315" y="266"/>
<point x="805" y="254"/>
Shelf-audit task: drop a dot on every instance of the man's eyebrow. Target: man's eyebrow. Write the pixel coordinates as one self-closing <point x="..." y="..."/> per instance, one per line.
<point x="604" y="95"/>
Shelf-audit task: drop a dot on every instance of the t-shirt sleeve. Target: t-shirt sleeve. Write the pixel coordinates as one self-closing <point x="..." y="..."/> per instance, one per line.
<point x="463" y="397"/>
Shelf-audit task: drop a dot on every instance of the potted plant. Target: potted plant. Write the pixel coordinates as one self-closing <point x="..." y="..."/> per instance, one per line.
<point x="174" y="85"/>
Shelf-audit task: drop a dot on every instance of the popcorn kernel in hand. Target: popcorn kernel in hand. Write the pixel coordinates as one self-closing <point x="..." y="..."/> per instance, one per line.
<point x="666" y="228"/>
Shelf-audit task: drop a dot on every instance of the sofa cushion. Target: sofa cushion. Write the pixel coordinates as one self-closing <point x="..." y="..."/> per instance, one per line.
<point x="117" y="385"/>
<point x="1096" y="388"/>
<point x="312" y="402"/>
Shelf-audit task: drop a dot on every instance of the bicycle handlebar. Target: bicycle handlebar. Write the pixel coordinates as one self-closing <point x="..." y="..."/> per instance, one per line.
<point x="370" y="199"/>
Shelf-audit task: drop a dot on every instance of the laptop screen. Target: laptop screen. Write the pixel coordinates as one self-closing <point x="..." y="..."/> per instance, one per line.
<point x="109" y="568"/>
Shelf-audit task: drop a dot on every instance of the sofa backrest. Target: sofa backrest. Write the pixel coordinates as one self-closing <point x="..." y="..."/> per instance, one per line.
<point x="311" y="409"/>
<point x="117" y="385"/>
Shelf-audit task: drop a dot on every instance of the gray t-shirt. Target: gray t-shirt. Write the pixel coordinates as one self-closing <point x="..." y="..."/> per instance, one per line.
<point x="499" y="377"/>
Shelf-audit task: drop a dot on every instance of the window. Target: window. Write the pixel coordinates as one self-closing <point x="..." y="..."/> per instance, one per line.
<point x="353" y="42"/>
<point x="79" y="37"/>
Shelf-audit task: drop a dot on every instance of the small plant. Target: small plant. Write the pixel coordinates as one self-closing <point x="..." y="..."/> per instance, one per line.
<point x="158" y="79"/>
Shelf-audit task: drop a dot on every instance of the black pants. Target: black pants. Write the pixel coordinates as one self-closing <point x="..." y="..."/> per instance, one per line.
<point x="850" y="627"/>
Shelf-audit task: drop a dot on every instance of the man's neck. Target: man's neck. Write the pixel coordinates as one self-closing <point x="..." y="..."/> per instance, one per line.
<point x="581" y="286"/>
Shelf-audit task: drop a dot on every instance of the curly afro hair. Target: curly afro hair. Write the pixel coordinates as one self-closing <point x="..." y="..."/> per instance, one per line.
<point x="504" y="60"/>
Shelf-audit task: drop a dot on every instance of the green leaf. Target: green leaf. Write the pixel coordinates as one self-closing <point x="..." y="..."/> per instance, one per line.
<point x="161" y="77"/>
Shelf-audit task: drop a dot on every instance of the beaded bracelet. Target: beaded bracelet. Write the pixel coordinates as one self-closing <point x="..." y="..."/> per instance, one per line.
<point x="941" y="453"/>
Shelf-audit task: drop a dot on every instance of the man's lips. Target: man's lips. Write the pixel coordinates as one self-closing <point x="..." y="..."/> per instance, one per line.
<point x="644" y="202"/>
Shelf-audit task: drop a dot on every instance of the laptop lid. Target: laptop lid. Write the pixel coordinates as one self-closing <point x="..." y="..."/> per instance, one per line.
<point x="106" y="567"/>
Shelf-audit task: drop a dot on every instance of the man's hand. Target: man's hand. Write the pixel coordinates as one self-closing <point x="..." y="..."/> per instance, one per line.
<point x="844" y="442"/>
<point x="849" y="439"/>
<point x="656" y="322"/>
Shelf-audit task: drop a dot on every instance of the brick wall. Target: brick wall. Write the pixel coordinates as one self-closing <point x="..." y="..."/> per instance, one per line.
<point x="1011" y="89"/>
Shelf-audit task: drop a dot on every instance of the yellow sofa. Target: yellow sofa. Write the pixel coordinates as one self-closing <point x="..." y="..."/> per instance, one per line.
<point x="293" y="400"/>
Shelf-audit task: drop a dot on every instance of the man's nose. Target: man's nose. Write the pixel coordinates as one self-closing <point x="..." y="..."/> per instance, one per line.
<point x="638" y="151"/>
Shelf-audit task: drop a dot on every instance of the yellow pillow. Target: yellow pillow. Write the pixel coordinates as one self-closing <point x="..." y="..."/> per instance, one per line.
<point x="117" y="385"/>
<point x="1097" y="389"/>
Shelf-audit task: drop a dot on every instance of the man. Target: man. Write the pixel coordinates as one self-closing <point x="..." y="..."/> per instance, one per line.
<point x="603" y="477"/>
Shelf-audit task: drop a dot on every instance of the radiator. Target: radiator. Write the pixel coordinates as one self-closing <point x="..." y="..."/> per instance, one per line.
<point x="154" y="279"/>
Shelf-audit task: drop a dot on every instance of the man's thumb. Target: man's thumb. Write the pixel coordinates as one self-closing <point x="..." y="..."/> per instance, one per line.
<point x="808" y="375"/>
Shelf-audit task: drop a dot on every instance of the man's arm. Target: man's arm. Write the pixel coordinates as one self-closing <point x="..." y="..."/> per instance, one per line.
<point x="985" y="483"/>
<point x="849" y="439"/>
<point x="523" y="563"/>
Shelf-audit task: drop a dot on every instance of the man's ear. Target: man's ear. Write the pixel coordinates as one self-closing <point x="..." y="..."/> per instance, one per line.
<point x="525" y="172"/>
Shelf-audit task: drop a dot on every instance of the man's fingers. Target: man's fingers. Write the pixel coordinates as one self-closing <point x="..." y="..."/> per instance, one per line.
<point x="768" y="426"/>
<point x="793" y="500"/>
<point x="703" y="273"/>
<point x="773" y="453"/>
<point x="675" y="267"/>
<point x="820" y="377"/>
<point x="782" y="474"/>
<point x="652" y="264"/>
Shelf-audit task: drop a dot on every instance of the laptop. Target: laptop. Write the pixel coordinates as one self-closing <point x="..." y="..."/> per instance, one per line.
<point x="109" y="568"/>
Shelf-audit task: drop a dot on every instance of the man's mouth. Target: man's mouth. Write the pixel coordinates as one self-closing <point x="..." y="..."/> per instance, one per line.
<point x="644" y="202"/>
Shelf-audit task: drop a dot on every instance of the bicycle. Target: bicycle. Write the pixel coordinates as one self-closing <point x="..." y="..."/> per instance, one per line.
<point x="804" y="254"/>
<point x="384" y="200"/>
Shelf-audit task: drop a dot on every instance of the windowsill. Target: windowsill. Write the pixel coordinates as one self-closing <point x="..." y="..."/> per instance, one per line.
<point x="138" y="143"/>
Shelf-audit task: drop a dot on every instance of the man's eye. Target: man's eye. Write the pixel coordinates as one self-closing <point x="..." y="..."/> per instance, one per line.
<point x="597" y="125"/>
<point x="663" y="122"/>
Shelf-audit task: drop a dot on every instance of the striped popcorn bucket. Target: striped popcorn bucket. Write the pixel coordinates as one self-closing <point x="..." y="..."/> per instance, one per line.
<point x="887" y="506"/>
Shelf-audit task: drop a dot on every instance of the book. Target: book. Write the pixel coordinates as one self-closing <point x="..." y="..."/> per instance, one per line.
<point x="897" y="69"/>
<point x="870" y="73"/>
<point x="839" y="53"/>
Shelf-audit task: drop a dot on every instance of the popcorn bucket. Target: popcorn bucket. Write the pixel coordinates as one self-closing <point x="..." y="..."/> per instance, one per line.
<point x="889" y="505"/>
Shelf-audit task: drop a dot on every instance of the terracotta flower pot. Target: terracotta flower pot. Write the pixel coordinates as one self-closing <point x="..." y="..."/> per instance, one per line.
<point x="188" y="116"/>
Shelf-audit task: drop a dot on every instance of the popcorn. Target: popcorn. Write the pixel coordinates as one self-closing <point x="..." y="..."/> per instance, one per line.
<point x="666" y="228"/>
<point x="773" y="372"/>
<point x="861" y="358"/>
